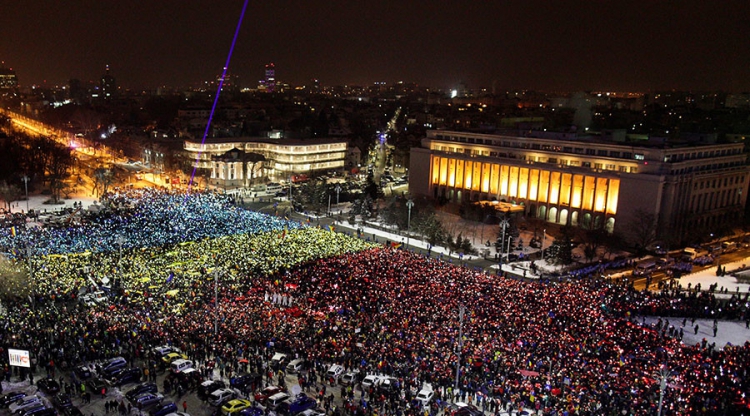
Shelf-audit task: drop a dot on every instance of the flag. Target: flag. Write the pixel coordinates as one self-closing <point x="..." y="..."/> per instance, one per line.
<point x="330" y="227"/>
<point x="395" y="245"/>
<point x="13" y="231"/>
<point x="170" y="277"/>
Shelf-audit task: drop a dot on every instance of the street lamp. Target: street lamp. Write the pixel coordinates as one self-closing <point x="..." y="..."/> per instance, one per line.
<point x="504" y="224"/>
<point x="663" y="375"/>
<point x="26" y="180"/>
<point x="544" y="239"/>
<point x="461" y="311"/>
<point x="409" y="205"/>
<point x="338" y="189"/>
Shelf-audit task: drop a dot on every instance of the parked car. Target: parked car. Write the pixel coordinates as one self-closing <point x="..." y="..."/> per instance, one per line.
<point x="49" y="386"/>
<point x="171" y="357"/>
<point x="334" y="372"/>
<point x="295" y="366"/>
<point x="425" y="395"/>
<point x="140" y="389"/>
<point x="267" y="392"/>
<point x="301" y="403"/>
<point x="113" y="364"/>
<point x="180" y="365"/>
<point x="208" y="387"/>
<point x="164" y="409"/>
<point x="388" y="384"/>
<point x="275" y="401"/>
<point x="163" y="350"/>
<point x="246" y="382"/>
<point x="467" y="410"/>
<point x="82" y="372"/>
<point x="62" y="400"/>
<point x="234" y="406"/>
<point x="97" y="385"/>
<point x="145" y="400"/>
<point x="11" y="397"/>
<point x="127" y="376"/>
<point x="252" y="411"/>
<point x="370" y="380"/>
<point x="278" y="360"/>
<point x="24" y="403"/>
<point x="350" y="378"/>
<point x="219" y="397"/>
<point x="32" y="410"/>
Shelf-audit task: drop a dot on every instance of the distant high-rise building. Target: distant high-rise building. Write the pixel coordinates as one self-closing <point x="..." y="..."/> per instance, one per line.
<point x="8" y="79"/>
<point x="107" y="85"/>
<point x="76" y="91"/>
<point x="270" y="77"/>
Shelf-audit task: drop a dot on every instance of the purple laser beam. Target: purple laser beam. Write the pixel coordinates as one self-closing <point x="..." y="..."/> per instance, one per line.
<point x="216" y="99"/>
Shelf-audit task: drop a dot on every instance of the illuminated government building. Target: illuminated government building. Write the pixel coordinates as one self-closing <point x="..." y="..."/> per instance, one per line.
<point x="586" y="182"/>
<point x="240" y="162"/>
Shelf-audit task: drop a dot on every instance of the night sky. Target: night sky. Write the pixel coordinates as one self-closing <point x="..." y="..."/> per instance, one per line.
<point x="544" y="45"/>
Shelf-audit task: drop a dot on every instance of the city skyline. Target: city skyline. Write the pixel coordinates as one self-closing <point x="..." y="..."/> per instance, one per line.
<point x="629" y="46"/>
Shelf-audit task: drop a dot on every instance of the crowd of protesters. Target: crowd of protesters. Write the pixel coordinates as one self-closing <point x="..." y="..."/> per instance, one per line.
<point x="570" y="347"/>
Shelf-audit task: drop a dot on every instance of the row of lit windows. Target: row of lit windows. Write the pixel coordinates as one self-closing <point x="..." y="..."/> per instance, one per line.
<point x="216" y="147"/>
<point x="292" y="168"/>
<point x="295" y="157"/>
<point x="529" y="144"/>
<point x="576" y="190"/>
<point x="540" y="159"/>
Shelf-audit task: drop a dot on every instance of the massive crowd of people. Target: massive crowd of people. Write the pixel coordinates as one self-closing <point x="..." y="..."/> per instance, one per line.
<point x="570" y="347"/>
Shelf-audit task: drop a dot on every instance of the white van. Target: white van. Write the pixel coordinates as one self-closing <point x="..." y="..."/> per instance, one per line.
<point x="180" y="365"/>
<point x="335" y="371"/>
<point x="295" y="366"/>
<point x="278" y="359"/>
<point x="274" y="401"/>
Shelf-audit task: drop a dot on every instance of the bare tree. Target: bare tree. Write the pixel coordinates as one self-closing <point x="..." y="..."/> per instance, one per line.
<point x="103" y="177"/>
<point x="58" y="169"/>
<point x="642" y="226"/>
<point x="9" y="193"/>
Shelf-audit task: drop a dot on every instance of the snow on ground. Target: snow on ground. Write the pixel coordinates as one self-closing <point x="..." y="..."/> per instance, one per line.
<point x="708" y="277"/>
<point x="729" y="332"/>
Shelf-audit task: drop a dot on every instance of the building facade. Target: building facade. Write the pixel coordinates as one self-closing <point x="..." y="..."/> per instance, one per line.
<point x="8" y="79"/>
<point x="585" y="182"/>
<point x="242" y="162"/>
